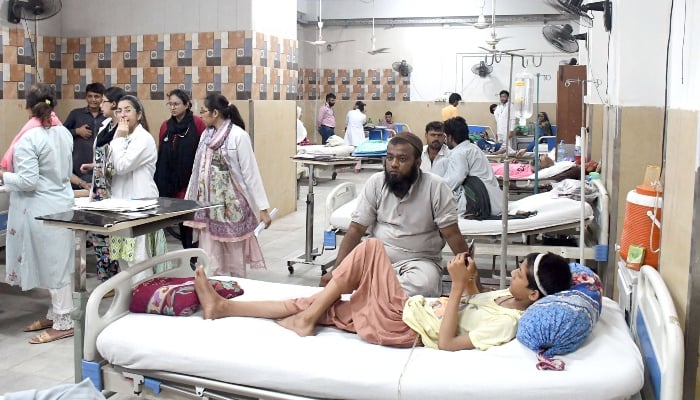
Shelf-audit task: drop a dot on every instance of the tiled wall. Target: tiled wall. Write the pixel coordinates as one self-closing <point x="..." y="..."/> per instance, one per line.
<point x="355" y="84"/>
<point x="241" y="65"/>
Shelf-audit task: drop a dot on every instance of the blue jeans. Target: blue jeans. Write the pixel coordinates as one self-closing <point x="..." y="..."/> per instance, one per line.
<point x="326" y="132"/>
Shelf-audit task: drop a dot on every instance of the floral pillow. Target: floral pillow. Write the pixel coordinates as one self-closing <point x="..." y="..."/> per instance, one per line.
<point x="175" y="296"/>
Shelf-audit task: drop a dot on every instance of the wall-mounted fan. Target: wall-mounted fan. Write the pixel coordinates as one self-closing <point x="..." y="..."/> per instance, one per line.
<point x="32" y="10"/>
<point x="402" y="67"/>
<point x="562" y="37"/>
<point x="576" y="8"/>
<point x="482" y="69"/>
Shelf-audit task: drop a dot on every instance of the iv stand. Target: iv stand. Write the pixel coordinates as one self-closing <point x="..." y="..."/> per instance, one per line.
<point x="496" y="57"/>
<point x="537" y="127"/>
<point x="584" y="152"/>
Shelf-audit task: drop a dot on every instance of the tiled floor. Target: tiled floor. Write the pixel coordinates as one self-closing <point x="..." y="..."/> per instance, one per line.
<point x="26" y="366"/>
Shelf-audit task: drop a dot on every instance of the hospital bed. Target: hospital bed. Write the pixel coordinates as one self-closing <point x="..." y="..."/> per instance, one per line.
<point x="545" y="178"/>
<point x="256" y="358"/>
<point x="323" y="150"/>
<point x="554" y="215"/>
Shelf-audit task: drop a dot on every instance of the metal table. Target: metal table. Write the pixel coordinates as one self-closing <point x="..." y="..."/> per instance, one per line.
<point x="309" y="255"/>
<point x="167" y="212"/>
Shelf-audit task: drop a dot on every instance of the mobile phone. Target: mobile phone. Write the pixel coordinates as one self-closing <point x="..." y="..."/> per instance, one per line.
<point x="470" y="246"/>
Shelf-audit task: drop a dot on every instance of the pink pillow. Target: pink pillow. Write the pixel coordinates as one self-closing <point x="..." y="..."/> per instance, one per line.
<point x="175" y="296"/>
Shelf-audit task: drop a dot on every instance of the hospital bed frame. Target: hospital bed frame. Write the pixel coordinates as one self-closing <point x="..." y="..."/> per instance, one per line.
<point x="656" y="330"/>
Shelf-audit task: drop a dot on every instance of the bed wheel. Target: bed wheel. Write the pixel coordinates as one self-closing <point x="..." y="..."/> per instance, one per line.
<point x="334" y="175"/>
<point x="315" y="182"/>
<point x="290" y="269"/>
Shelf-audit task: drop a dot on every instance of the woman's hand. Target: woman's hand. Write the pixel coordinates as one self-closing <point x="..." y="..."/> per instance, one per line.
<point x="85" y="168"/>
<point x="122" y="128"/>
<point x="265" y="217"/>
<point x="462" y="269"/>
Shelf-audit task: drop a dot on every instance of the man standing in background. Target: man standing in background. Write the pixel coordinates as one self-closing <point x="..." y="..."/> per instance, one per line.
<point x="325" y="121"/>
<point x="504" y="126"/>
<point x="84" y="123"/>
<point x="450" y="111"/>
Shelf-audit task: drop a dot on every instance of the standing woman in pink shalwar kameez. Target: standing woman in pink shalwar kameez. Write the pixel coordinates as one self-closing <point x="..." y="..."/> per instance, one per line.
<point x="225" y="172"/>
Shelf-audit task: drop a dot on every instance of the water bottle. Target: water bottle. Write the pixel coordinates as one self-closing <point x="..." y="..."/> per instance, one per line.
<point x="561" y="151"/>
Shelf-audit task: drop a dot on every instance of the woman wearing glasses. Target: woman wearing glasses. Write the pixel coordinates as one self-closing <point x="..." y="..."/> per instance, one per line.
<point x="178" y="140"/>
<point x="225" y="171"/>
<point x="133" y="163"/>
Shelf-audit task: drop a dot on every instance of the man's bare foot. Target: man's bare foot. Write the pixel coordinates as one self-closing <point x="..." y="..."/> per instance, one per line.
<point x="212" y="304"/>
<point x="299" y="324"/>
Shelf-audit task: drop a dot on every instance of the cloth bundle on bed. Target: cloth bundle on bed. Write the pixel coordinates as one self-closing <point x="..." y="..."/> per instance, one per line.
<point x="520" y="171"/>
<point x="560" y="323"/>
<point x="317" y="149"/>
<point x="175" y="296"/>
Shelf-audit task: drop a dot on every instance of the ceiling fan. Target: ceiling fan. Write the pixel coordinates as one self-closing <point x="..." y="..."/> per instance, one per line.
<point x="320" y="42"/>
<point x="494" y="39"/>
<point x="481" y="20"/>
<point x="374" y="50"/>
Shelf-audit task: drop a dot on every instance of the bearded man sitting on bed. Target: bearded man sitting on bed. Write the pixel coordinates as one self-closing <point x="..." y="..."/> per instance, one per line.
<point x="413" y="213"/>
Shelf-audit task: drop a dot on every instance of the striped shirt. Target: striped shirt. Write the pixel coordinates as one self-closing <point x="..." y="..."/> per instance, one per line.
<point x="325" y="117"/>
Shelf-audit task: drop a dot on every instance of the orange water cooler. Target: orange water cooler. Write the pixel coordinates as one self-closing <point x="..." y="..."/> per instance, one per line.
<point x="642" y="223"/>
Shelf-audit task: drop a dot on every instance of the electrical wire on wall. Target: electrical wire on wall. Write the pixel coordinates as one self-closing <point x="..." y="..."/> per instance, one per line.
<point x="666" y="84"/>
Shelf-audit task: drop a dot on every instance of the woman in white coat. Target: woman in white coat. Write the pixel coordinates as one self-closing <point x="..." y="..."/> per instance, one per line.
<point x="225" y="171"/>
<point x="36" y="172"/>
<point x="133" y="163"/>
<point x="355" y="128"/>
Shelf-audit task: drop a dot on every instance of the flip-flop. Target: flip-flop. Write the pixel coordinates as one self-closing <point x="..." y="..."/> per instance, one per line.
<point x="45" y="337"/>
<point x="38" y="325"/>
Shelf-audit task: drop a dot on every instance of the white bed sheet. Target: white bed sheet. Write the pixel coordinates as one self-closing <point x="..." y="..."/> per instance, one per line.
<point x="319" y="149"/>
<point x="338" y="364"/>
<point x="551" y="212"/>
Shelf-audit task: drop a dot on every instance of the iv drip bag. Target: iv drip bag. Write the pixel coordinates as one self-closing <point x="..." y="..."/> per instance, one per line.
<point x="523" y="96"/>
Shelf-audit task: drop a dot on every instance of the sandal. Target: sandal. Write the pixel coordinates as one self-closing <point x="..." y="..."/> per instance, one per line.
<point x="38" y="325"/>
<point x="46" y="337"/>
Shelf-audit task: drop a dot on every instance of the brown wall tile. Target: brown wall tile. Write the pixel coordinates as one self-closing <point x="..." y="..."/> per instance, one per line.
<point x="97" y="44"/>
<point x="49" y="76"/>
<point x="228" y="57"/>
<point x="206" y="40"/>
<point x="144" y="58"/>
<point x="206" y="74"/>
<point x="199" y="57"/>
<point x="17" y="37"/>
<point x="236" y="40"/>
<point x="177" y="75"/>
<point x="123" y="43"/>
<point x="236" y="74"/>
<point x="73" y="45"/>
<point x="9" y="90"/>
<point x="199" y="90"/>
<point x="98" y="75"/>
<point x="229" y="90"/>
<point x="123" y="75"/>
<point x="49" y="44"/>
<point x="150" y="75"/>
<point x="9" y="55"/>
<point x="118" y="60"/>
<point x="150" y="42"/>
<point x="73" y="76"/>
<point x="91" y="60"/>
<point x="170" y="58"/>
<point x="143" y="91"/>
<point x="177" y="41"/>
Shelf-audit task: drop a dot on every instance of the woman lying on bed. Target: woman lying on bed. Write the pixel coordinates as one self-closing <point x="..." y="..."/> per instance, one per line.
<point x="380" y="312"/>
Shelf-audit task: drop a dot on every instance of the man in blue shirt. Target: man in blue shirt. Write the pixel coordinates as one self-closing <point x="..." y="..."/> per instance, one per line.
<point x="84" y="123"/>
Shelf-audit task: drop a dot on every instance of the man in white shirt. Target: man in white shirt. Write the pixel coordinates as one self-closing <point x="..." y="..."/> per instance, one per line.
<point x="505" y="127"/>
<point x="435" y="152"/>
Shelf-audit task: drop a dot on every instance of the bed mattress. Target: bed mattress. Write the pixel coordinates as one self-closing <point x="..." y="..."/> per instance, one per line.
<point x="340" y="151"/>
<point x="551" y="212"/>
<point x="337" y="364"/>
<point x="547" y="173"/>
